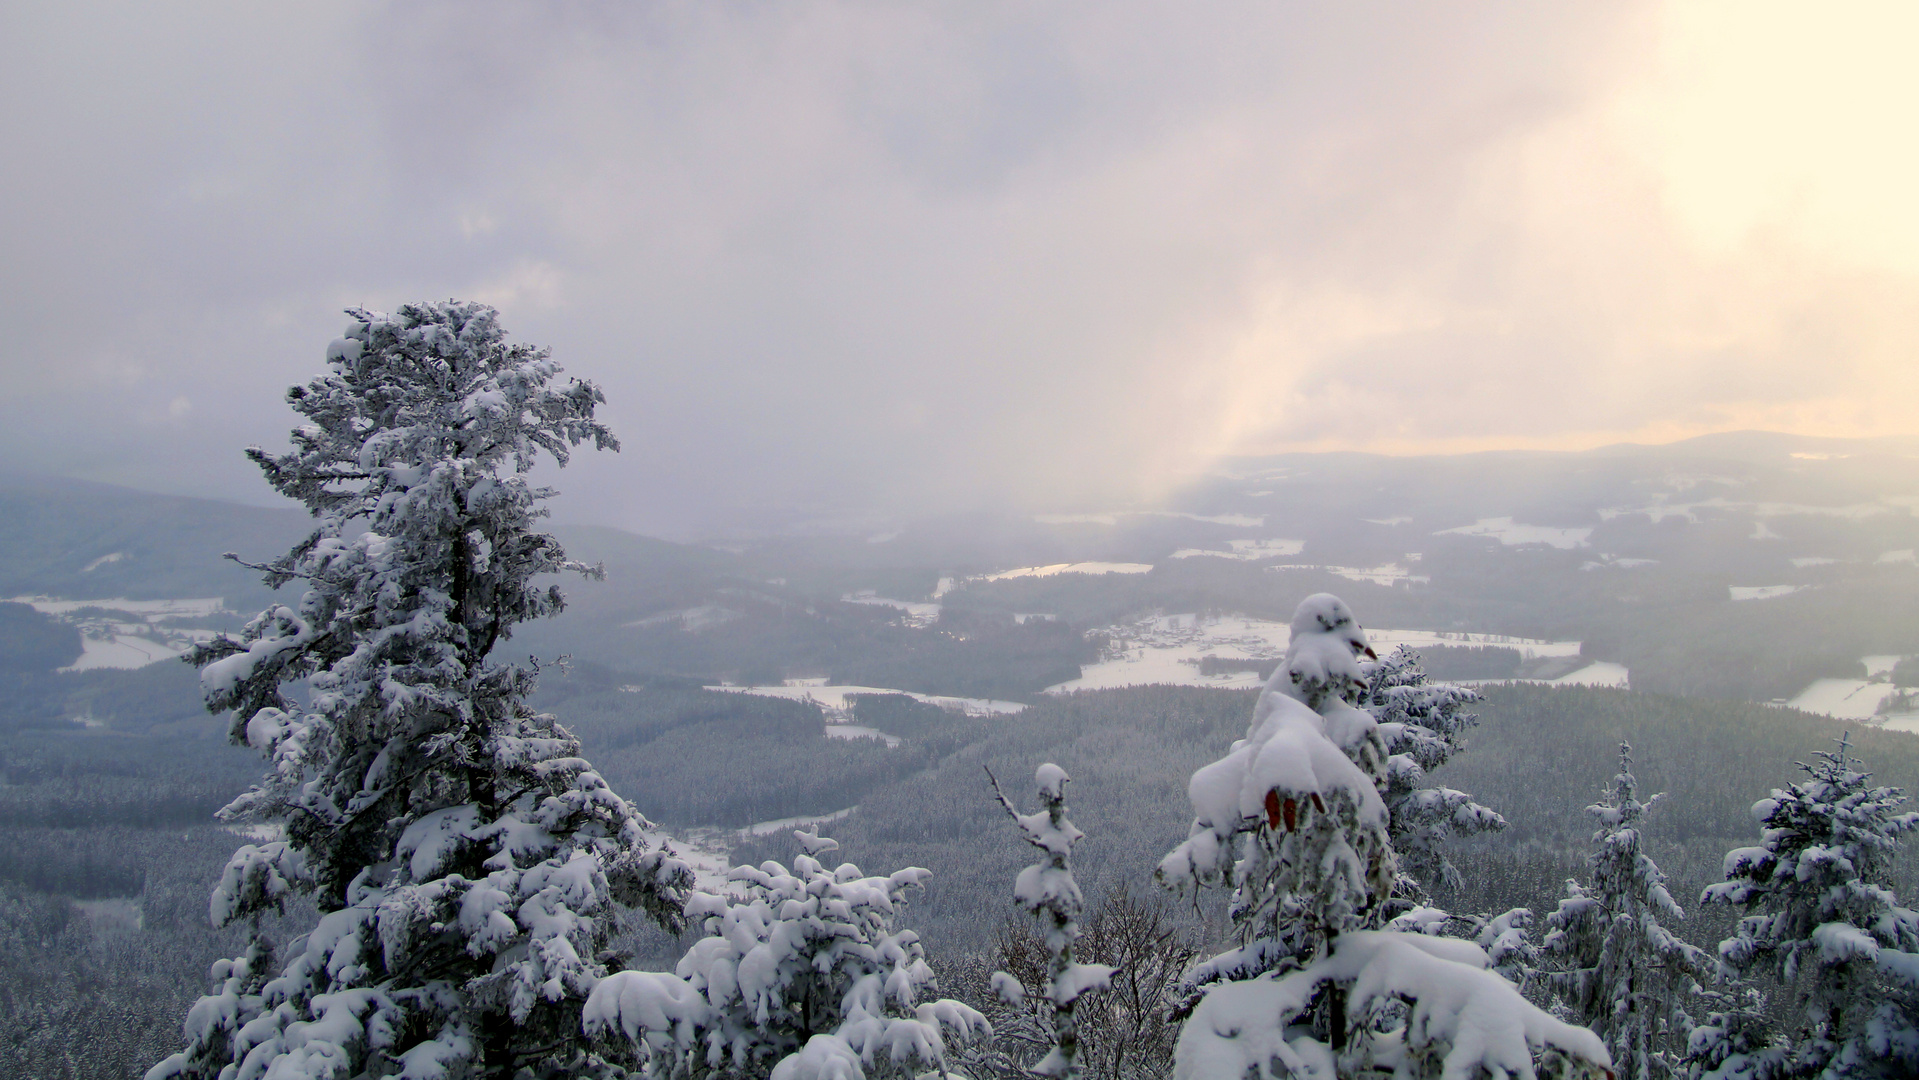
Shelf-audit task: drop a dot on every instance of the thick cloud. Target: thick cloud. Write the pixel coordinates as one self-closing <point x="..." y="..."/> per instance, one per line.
<point x="828" y="258"/>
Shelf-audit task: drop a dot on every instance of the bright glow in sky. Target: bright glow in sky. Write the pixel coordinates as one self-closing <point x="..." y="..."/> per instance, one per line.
<point x="832" y="257"/>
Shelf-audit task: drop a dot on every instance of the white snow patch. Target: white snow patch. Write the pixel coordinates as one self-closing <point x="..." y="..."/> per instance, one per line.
<point x="149" y="610"/>
<point x="1878" y="665"/>
<point x="1762" y="592"/>
<point x="1056" y="569"/>
<point x="1401" y="520"/>
<point x="1903" y="555"/>
<point x="858" y="731"/>
<point x="1168" y="649"/>
<point x="1511" y="534"/>
<point x="832" y="699"/>
<point x="1844" y="699"/>
<point x="1246" y="550"/>
<point x="265" y="832"/>
<point x="768" y="828"/>
<point x="692" y="620"/>
<point x="918" y="613"/>
<point x="121" y="651"/>
<point x="1388" y="574"/>
<point x="1601" y="673"/>
<point x="1806" y="455"/>
<point x="102" y="561"/>
<point x="1812" y="560"/>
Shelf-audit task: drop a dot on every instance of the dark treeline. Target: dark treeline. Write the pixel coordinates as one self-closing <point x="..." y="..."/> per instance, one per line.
<point x="105" y="894"/>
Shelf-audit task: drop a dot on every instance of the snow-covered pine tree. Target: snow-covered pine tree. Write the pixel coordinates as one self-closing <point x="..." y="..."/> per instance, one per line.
<point x="1823" y="920"/>
<point x="1293" y="820"/>
<point x="801" y="976"/>
<point x="1620" y="972"/>
<point x="467" y="862"/>
<point x="1422" y="724"/>
<point x="1049" y="891"/>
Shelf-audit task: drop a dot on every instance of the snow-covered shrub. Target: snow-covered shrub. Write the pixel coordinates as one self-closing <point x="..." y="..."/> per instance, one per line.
<point x="468" y="863"/>
<point x="1293" y="819"/>
<point x="1423" y="724"/>
<point x="1824" y="922"/>
<point x="1048" y="890"/>
<point x="1620" y="972"/>
<point x="801" y="976"/>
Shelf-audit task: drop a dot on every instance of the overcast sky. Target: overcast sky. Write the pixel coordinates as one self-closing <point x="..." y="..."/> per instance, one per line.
<point x="914" y="255"/>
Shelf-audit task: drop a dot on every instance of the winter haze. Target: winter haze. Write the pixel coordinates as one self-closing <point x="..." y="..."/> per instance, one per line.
<point x="848" y="259"/>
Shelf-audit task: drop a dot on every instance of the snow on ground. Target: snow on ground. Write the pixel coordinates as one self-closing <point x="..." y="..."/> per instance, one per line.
<point x="102" y="561"/>
<point x="1613" y="561"/>
<point x="860" y="731"/>
<point x="1388" y="574"/>
<point x="832" y="699"/>
<point x="768" y="828"/>
<point x="1168" y="649"/>
<point x="1877" y="666"/>
<point x="121" y="651"/>
<point x="1402" y="520"/>
<point x="1812" y="560"/>
<point x="121" y="633"/>
<point x="1763" y="531"/>
<point x="1762" y="592"/>
<point x="948" y="584"/>
<point x="692" y="620"/>
<point x="1659" y="511"/>
<point x="1510" y="533"/>
<point x="1602" y="673"/>
<point x="1844" y="699"/>
<point x="149" y="610"/>
<point x="1904" y="555"/>
<point x="1246" y="550"/>
<point x="918" y="613"/>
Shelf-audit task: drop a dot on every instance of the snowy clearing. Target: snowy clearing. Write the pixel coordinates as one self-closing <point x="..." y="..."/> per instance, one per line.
<point x="858" y="731"/>
<point x="1390" y="574"/>
<point x="1659" y="511"/>
<point x="102" y="561"/>
<point x="1512" y="534"/>
<point x="1903" y="555"/>
<point x="123" y="651"/>
<point x="1761" y="592"/>
<point x="1168" y="649"/>
<point x="149" y="610"/>
<point x="1601" y="673"/>
<point x="1246" y="550"/>
<point x="1402" y="520"/>
<point x="768" y="828"/>
<point x="832" y="699"/>
<point x="918" y="613"/>
<point x="1812" y="560"/>
<point x="1844" y="699"/>
<point x="1877" y="666"/>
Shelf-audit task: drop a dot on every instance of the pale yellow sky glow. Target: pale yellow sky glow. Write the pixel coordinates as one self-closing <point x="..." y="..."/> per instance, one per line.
<point x="1723" y="235"/>
<point x="943" y="255"/>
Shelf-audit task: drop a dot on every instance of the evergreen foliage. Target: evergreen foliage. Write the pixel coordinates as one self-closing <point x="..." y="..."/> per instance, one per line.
<point x="1621" y="972"/>
<point x="1048" y="890"/>
<point x="1293" y="819"/>
<point x="1821" y="919"/>
<point x="466" y="861"/>
<point x="1423" y="724"/>
<point x="802" y="975"/>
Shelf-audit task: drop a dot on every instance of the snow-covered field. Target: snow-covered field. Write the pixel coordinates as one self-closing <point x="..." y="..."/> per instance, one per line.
<point x="832" y="699"/>
<point x="1388" y="574"/>
<point x="708" y="848"/>
<point x="1510" y="533"/>
<point x="1762" y="592"/>
<point x="1168" y="649"/>
<point x="918" y="613"/>
<point x="1246" y="550"/>
<point x="1237" y="521"/>
<point x="121" y="633"/>
<point x="1843" y="699"/>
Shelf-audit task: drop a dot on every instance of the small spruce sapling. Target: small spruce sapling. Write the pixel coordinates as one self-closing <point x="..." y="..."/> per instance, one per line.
<point x="1292" y="818"/>
<point x="468" y="863"/>
<point x="1620" y="971"/>
<point x="1048" y="890"/>
<point x="1823" y="921"/>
